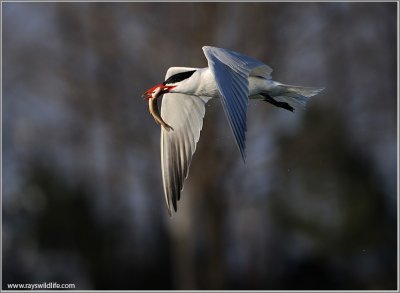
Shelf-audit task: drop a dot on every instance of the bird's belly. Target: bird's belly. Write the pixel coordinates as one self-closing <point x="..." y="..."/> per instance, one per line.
<point x="257" y="85"/>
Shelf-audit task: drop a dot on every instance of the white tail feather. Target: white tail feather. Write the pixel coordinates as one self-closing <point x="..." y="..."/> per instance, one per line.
<point x="297" y="94"/>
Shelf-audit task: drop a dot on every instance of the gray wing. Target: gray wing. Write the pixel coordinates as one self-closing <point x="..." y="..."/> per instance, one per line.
<point x="185" y="114"/>
<point x="231" y="71"/>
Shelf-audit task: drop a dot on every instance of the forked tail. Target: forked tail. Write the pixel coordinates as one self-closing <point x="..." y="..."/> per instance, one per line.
<point x="290" y="95"/>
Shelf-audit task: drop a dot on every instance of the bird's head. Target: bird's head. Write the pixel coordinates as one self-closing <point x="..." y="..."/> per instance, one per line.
<point x="157" y="91"/>
<point x="177" y="83"/>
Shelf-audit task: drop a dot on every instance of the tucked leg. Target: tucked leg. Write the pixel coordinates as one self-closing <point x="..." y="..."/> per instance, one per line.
<point x="274" y="102"/>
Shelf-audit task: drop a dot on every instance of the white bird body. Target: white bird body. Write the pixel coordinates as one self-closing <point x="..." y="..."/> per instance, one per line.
<point x="234" y="79"/>
<point x="202" y="83"/>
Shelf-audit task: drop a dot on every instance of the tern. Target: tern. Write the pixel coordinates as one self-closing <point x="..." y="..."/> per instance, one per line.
<point x="230" y="76"/>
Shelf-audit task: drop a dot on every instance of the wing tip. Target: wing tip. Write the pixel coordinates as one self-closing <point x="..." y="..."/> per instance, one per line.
<point x="169" y="208"/>
<point x="174" y="203"/>
<point x="243" y="156"/>
<point x="209" y="48"/>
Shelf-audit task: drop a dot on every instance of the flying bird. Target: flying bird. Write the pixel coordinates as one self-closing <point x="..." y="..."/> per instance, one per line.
<point x="231" y="77"/>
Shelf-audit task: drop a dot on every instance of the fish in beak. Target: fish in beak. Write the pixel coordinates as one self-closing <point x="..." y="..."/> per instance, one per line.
<point x="160" y="88"/>
<point x="152" y="95"/>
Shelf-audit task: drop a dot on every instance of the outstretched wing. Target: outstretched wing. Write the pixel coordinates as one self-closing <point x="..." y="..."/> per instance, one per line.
<point x="184" y="113"/>
<point x="231" y="71"/>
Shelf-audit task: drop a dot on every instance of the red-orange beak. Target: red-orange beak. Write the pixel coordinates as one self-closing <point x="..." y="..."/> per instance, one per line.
<point x="163" y="90"/>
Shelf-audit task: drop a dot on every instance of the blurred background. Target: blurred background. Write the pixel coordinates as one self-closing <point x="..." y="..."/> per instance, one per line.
<point x="313" y="207"/>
